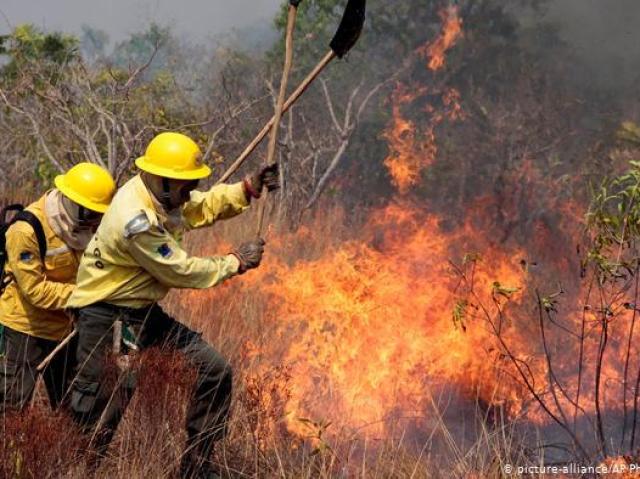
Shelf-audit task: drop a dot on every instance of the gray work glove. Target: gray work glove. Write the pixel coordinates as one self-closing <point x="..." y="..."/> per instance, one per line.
<point x="268" y="176"/>
<point x="249" y="254"/>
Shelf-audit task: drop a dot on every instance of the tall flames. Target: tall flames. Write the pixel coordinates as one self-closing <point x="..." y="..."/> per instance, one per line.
<point x="374" y="316"/>
<point x="373" y="329"/>
<point x="412" y="151"/>
<point x="369" y="327"/>
<point x="451" y="32"/>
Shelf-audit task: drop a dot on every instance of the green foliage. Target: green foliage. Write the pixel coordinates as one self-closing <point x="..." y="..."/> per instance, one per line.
<point x="500" y="290"/>
<point x="629" y="131"/>
<point x="315" y="23"/>
<point x="139" y="47"/>
<point x="550" y="303"/>
<point x="460" y="314"/>
<point x="61" y="110"/>
<point x="30" y="42"/>
<point x="27" y="44"/>
<point x="46" y="172"/>
<point x="495" y="63"/>
<point x="613" y="221"/>
<point x="389" y="34"/>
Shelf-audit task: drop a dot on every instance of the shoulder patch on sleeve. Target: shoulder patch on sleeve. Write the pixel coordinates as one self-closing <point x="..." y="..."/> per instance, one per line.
<point x="165" y="251"/>
<point x="26" y="256"/>
<point x="139" y="224"/>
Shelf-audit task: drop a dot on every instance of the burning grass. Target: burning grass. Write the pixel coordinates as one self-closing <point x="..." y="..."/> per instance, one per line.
<point x="372" y="354"/>
<point x="408" y="344"/>
<point x="291" y="412"/>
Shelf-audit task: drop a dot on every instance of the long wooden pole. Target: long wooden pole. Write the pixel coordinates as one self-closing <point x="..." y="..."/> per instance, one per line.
<point x="275" y="128"/>
<point x="45" y="362"/>
<point x="328" y="58"/>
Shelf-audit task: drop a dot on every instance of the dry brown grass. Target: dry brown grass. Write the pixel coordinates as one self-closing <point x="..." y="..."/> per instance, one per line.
<point x="150" y="439"/>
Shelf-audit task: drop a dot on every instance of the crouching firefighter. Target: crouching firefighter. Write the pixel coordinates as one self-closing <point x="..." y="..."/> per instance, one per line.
<point x="40" y="250"/>
<point x="131" y="263"/>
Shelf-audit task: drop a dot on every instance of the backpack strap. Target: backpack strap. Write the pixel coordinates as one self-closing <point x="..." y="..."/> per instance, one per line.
<point x="4" y="226"/>
<point x="3" y="213"/>
<point x="35" y="223"/>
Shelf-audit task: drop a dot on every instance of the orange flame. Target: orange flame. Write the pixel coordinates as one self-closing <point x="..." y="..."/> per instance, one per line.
<point x="408" y="155"/>
<point x="451" y="32"/>
<point x="371" y="329"/>
<point x="368" y="326"/>
<point x="412" y="152"/>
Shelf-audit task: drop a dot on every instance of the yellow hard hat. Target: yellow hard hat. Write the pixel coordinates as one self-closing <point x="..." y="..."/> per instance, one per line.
<point x="88" y="185"/>
<point x="174" y="155"/>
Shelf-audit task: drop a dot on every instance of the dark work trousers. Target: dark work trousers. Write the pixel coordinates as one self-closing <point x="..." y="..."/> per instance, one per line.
<point x="98" y="401"/>
<point x="18" y="375"/>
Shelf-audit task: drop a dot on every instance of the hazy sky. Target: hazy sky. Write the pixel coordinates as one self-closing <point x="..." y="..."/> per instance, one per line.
<point x="119" y="18"/>
<point x="604" y="32"/>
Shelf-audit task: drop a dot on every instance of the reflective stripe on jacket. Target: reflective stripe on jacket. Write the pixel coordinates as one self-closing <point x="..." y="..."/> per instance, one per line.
<point x="135" y="257"/>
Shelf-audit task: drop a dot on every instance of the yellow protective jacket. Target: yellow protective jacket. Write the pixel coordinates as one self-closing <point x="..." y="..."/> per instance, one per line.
<point x="34" y="301"/>
<point x="135" y="257"/>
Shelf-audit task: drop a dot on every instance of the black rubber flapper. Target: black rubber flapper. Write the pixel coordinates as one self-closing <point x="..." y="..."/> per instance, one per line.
<point x="350" y="27"/>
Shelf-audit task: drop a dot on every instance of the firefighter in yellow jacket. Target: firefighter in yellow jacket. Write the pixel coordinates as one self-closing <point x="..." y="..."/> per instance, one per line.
<point x="39" y="285"/>
<point x="132" y="262"/>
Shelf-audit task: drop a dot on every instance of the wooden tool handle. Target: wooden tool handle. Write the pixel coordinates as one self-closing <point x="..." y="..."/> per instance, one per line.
<point x="328" y="58"/>
<point x="273" y="140"/>
<point x="45" y="362"/>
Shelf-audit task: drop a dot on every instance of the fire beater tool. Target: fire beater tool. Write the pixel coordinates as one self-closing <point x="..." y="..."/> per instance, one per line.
<point x="288" y="61"/>
<point x="345" y="38"/>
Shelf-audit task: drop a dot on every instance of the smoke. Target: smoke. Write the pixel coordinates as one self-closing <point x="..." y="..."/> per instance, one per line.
<point x="604" y="35"/>
<point x="197" y="19"/>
